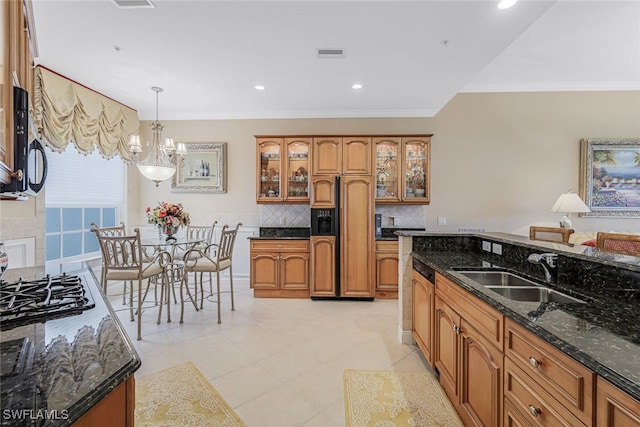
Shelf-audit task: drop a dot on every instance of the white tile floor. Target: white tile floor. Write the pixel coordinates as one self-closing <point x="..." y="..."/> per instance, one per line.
<point x="277" y="362"/>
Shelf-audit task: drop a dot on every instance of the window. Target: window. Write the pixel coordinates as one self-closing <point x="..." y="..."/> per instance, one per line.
<point x="80" y="190"/>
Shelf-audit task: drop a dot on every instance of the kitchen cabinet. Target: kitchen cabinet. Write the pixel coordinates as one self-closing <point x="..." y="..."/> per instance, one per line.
<point x="323" y="266"/>
<point x="468" y="354"/>
<point x="387" y="269"/>
<point x="403" y="167"/>
<point x="422" y="314"/>
<point x="283" y="169"/>
<point x="279" y="268"/>
<point x="323" y="193"/>
<point x="18" y="47"/>
<point x="348" y="155"/>
<point x="357" y="247"/>
<point x="569" y="382"/>
<point x="115" y="410"/>
<point x="615" y="408"/>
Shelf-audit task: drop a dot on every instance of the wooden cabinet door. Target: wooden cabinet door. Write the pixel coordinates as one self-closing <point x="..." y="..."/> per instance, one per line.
<point x="323" y="194"/>
<point x="615" y="408"/>
<point x="386" y="275"/>
<point x="295" y="176"/>
<point x="416" y="173"/>
<point x="264" y="270"/>
<point x="422" y="314"/>
<point x="323" y="266"/>
<point x="269" y="170"/>
<point x="327" y="156"/>
<point x="114" y="410"/>
<point x="446" y="348"/>
<point x="513" y="418"/>
<point x="357" y="155"/>
<point x="357" y="250"/>
<point x="388" y="165"/>
<point x="481" y="368"/>
<point x="294" y="273"/>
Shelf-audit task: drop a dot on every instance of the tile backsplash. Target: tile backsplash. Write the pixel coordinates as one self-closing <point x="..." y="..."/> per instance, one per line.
<point x="407" y="216"/>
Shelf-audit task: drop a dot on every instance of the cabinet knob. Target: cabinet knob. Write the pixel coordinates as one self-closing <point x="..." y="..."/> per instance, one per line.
<point x="534" y="411"/>
<point x="534" y="362"/>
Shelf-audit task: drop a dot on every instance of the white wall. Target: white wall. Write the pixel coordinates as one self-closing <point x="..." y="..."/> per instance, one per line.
<point x="499" y="161"/>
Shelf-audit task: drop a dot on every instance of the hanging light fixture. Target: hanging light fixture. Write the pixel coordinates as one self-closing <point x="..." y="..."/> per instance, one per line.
<point x="158" y="166"/>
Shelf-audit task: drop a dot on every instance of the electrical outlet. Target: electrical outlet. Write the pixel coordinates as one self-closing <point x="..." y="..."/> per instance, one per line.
<point x="442" y="220"/>
<point x="283" y="220"/>
<point x="496" y="248"/>
<point x="486" y="246"/>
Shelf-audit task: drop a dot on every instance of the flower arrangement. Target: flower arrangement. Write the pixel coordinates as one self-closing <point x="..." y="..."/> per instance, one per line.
<point x="168" y="216"/>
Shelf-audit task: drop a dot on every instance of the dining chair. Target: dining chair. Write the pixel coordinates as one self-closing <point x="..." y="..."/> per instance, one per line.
<point x="122" y="260"/>
<point x="626" y="244"/>
<point x="117" y="230"/>
<point x="550" y="234"/>
<point x="215" y="258"/>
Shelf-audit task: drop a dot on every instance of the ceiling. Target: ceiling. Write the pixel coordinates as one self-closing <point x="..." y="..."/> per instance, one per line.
<point x="411" y="57"/>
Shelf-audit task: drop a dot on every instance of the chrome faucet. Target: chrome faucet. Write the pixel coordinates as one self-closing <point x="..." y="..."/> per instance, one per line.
<point x="548" y="263"/>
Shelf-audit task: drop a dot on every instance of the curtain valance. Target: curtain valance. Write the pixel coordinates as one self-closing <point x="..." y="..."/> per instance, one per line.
<point x="66" y="111"/>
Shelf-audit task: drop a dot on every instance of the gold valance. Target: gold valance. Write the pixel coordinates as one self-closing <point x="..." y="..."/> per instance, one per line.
<point x="66" y="111"/>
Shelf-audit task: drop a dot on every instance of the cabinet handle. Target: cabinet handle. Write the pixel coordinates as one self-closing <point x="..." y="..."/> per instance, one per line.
<point x="279" y="245"/>
<point x="534" y="362"/>
<point x="534" y="411"/>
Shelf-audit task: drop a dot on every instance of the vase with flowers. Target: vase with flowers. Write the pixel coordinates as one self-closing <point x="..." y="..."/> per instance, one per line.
<point x="169" y="217"/>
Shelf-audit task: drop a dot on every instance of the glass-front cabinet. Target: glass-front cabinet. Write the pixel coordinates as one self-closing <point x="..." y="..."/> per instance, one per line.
<point x="403" y="169"/>
<point x="283" y="170"/>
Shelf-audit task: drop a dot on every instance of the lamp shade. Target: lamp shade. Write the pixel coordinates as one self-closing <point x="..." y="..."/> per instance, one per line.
<point x="570" y="203"/>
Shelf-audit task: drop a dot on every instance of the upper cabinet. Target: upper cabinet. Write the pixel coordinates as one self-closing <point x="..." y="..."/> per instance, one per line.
<point x="403" y="169"/>
<point x="16" y="60"/>
<point x="342" y="156"/>
<point x="283" y="170"/>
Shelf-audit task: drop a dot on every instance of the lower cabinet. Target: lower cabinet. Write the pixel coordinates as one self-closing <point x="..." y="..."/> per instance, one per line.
<point x="115" y="410"/>
<point x="423" y="295"/>
<point x="387" y="269"/>
<point x="323" y="267"/>
<point x="468" y="358"/>
<point x="280" y="268"/>
<point x="615" y="408"/>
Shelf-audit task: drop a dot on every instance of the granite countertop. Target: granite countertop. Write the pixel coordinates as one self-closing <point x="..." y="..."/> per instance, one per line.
<point x="290" y="233"/>
<point x="603" y="334"/>
<point x="76" y="359"/>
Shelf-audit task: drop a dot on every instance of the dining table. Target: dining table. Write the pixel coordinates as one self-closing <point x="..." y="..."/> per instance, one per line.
<point x="176" y="247"/>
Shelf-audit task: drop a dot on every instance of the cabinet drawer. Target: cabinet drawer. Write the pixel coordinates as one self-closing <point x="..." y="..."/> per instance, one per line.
<point x="533" y="402"/>
<point x="568" y="380"/>
<point x="488" y="321"/>
<point x="280" y="245"/>
<point x="386" y="246"/>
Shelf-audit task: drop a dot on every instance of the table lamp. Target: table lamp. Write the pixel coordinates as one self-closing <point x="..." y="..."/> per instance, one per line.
<point x="569" y="203"/>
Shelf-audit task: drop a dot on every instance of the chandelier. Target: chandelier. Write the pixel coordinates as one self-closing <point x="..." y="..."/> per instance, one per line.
<point x="159" y="164"/>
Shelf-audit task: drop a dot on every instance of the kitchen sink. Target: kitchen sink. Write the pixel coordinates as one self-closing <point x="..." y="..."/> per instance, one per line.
<point x="533" y="293"/>
<point x="497" y="278"/>
<point x="517" y="288"/>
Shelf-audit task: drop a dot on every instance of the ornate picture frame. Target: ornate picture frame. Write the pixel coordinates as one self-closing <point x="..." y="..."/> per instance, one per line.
<point x="203" y="169"/>
<point x="610" y="177"/>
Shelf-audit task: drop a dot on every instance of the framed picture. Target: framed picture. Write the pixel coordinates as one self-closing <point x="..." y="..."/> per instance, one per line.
<point x="201" y="170"/>
<point x="610" y="176"/>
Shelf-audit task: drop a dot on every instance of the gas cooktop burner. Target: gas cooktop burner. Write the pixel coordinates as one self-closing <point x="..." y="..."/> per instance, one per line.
<point x="26" y="301"/>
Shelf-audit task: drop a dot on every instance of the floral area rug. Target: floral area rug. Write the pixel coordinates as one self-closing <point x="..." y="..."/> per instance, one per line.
<point x="181" y="396"/>
<point x="396" y="398"/>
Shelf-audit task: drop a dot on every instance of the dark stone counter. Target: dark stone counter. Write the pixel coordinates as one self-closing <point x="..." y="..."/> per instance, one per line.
<point x="283" y="233"/>
<point x="71" y="362"/>
<point x="603" y="334"/>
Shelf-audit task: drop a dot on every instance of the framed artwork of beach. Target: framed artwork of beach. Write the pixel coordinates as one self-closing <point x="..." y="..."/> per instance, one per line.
<point x="610" y="177"/>
<point x="202" y="169"/>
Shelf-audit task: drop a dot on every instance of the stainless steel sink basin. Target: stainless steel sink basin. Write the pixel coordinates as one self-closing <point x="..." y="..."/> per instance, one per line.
<point x="517" y="288"/>
<point x="533" y="293"/>
<point x="497" y="278"/>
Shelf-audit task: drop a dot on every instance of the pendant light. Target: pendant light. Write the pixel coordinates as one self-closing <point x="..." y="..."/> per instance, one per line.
<point x="158" y="166"/>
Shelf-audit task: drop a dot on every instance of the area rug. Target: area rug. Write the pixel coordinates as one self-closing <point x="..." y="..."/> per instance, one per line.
<point x="181" y="396"/>
<point x="396" y="398"/>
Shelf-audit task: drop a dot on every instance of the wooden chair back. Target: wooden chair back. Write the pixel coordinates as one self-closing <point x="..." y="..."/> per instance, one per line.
<point x="550" y="234"/>
<point x="627" y="244"/>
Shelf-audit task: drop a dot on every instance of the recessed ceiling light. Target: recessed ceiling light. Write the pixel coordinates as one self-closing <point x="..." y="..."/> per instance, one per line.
<point x="356" y="86"/>
<point x="506" y="4"/>
<point x="259" y="87"/>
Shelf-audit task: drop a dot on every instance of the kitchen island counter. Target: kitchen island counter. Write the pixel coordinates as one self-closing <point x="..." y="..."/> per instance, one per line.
<point x="603" y="333"/>
<point x="55" y="371"/>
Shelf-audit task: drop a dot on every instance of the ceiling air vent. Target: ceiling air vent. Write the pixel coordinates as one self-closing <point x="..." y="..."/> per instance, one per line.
<point x="133" y="4"/>
<point x="330" y="53"/>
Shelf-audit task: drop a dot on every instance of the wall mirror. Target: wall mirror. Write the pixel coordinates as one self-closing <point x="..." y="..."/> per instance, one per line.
<point x="201" y="170"/>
